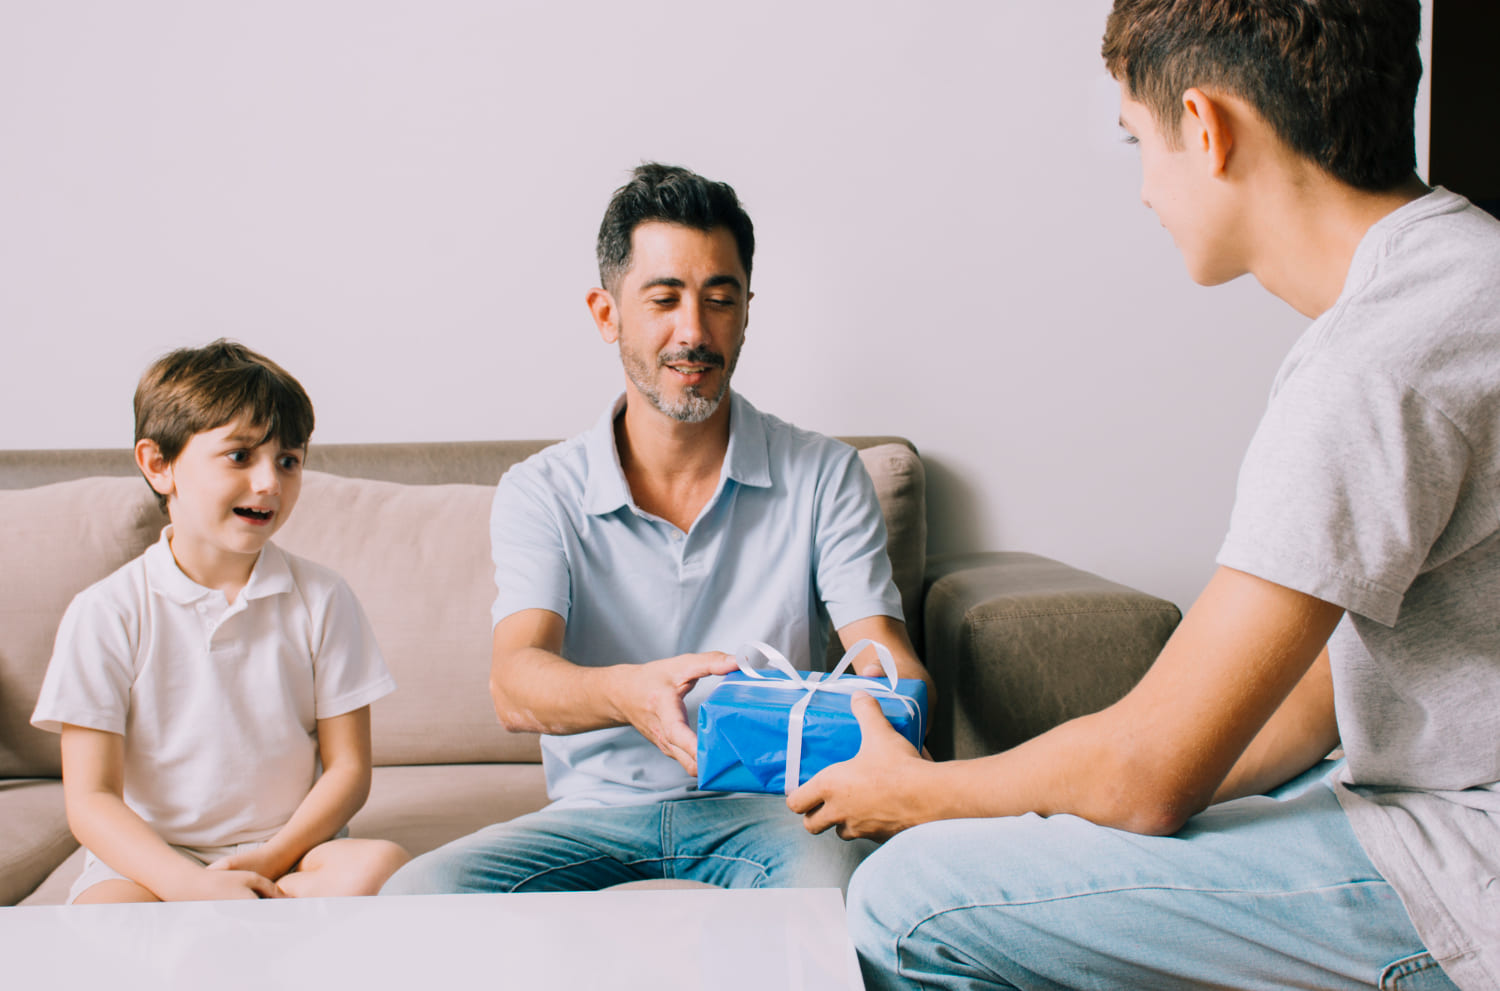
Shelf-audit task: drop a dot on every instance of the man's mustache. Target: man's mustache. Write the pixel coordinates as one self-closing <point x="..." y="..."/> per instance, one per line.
<point x="700" y="355"/>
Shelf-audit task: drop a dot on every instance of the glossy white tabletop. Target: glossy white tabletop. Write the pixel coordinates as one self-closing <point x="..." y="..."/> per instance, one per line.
<point x="699" y="938"/>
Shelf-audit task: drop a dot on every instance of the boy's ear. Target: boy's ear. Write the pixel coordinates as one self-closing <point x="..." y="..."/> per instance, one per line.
<point x="157" y="469"/>
<point x="1206" y="128"/>
<point x="602" y="307"/>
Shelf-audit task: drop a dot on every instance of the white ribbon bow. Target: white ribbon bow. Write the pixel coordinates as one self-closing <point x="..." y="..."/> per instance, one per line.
<point x="812" y="682"/>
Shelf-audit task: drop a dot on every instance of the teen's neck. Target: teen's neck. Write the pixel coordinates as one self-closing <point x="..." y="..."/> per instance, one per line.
<point x="212" y="568"/>
<point x="1310" y="230"/>
<point x="672" y="468"/>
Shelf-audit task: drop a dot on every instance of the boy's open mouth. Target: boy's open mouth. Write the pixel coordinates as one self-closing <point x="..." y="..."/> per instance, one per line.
<point x="252" y="514"/>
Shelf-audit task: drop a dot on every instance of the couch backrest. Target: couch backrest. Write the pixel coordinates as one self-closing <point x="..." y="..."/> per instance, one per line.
<point x="407" y="525"/>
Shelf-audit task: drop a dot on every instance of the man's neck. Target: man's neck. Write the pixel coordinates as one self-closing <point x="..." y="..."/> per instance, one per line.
<point x="1309" y="232"/>
<point x="672" y="468"/>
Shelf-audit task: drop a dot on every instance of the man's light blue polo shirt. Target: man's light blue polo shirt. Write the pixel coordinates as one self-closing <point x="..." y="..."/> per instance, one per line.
<point x="791" y="543"/>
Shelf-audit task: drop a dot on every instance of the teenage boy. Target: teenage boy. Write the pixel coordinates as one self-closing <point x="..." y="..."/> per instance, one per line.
<point x="213" y="694"/>
<point x="686" y="522"/>
<point x="1355" y="600"/>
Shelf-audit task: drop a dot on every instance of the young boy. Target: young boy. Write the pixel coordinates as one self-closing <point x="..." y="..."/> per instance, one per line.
<point x="1355" y="602"/>
<point x="213" y="694"/>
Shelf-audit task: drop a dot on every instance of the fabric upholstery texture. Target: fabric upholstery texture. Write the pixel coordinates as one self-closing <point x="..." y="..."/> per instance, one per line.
<point x="418" y="559"/>
<point x="59" y="539"/>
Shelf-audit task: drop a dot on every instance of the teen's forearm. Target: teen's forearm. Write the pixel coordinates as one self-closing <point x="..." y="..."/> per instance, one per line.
<point x="1300" y="733"/>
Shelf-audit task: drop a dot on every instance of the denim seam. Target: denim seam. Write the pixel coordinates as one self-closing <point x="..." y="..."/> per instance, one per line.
<point x="760" y="868"/>
<point x="1015" y="903"/>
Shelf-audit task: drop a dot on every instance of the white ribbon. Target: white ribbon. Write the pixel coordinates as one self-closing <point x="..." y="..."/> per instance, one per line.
<point x="812" y="682"/>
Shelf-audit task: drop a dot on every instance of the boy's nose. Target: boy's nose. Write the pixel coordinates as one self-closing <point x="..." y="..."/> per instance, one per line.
<point x="264" y="478"/>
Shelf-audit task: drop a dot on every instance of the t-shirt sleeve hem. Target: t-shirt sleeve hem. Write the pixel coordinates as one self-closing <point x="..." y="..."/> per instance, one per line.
<point x="504" y="610"/>
<point x="356" y="699"/>
<point x="1363" y="598"/>
<point x="52" y="721"/>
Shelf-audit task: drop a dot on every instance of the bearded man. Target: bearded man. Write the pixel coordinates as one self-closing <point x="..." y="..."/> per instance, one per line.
<point x="685" y="523"/>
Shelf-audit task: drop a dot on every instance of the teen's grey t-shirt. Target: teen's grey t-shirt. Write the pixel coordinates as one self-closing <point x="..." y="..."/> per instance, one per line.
<point x="1373" y="482"/>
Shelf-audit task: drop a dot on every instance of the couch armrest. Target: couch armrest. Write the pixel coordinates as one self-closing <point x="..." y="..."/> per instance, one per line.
<point x="1018" y="643"/>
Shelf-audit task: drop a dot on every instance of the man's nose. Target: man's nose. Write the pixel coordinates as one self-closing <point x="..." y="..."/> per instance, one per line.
<point x="690" y="323"/>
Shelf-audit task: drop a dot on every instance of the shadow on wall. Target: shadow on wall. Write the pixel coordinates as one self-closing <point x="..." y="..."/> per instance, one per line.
<point x="953" y="507"/>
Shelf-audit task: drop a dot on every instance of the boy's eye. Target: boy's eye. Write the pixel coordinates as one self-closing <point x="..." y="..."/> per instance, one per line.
<point x="238" y="457"/>
<point x="1130" y="139"/>
<point x="290" y="462"/>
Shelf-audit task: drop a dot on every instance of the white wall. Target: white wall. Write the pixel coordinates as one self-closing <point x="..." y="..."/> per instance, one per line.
<point x="398" y="200"/>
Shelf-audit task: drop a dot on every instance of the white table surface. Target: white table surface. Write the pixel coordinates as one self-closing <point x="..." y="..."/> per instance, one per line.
<point x="791" y="939"/>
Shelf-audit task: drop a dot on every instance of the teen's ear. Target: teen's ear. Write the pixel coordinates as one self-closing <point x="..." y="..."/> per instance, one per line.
<point x="157" y="469"/>
<point x="1206" y="128"/>
<point x="602" y="307"/>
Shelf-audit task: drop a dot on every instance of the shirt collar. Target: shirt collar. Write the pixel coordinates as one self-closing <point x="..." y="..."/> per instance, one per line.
<point x="270" y="576"/>
<point x="747" y="461"/>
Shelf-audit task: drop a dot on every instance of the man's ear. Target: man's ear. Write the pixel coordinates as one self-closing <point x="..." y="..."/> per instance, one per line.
<point x="1206" y="128"/>
<point x="157" y="469"/>
<point x="602" y="306"/>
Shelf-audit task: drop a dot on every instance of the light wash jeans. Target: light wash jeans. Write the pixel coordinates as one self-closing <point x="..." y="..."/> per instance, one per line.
<point x="1266" y="892"/>
<point x="733" y="842"/>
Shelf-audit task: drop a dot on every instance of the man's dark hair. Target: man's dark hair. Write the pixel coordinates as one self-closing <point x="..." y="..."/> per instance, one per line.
<point x="673" y="195"/>
<point x="190" y="390"/>
<point x="1335" y="79"/>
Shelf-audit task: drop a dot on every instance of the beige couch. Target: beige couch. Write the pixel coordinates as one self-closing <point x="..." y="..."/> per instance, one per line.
<point x="1015" y="642"/>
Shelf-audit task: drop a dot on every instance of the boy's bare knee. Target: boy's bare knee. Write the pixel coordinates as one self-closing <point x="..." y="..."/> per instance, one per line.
<point x="345" y="867"/>
<point x="115" y="891"/>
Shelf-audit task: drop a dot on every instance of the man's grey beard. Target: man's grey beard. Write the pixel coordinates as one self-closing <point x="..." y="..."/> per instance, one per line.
<point x="692" y="407"/>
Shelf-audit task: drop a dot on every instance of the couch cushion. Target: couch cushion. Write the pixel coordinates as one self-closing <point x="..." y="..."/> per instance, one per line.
<point x="901" y="486"/>
<point x="418" y="558"/>
<point x="423" y="807"/>
<point x="34" y="836"/>
<point x="59" y="539"/>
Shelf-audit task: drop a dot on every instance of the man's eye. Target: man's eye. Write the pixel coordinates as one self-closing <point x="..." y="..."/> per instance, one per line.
<point x="722" y="301"/>
<point x="663" y="300"/>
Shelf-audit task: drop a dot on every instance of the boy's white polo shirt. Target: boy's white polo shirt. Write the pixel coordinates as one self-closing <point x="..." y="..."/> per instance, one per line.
<point x="217" y="703"/>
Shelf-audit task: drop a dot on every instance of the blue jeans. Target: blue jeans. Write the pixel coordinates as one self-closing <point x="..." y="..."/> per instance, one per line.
<point x="1264" y="892"/>
<point x="732" y="842"/>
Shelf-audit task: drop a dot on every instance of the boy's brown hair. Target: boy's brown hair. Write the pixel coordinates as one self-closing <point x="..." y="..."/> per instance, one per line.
<point x="190" y="390"/>
<point x="1335" y="79"/>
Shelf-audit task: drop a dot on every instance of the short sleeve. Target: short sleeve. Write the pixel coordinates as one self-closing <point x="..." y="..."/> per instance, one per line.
<point x="526" y="544"/>
<point x="349" y="671"/>
<point x="92" y="669"/>
<point x="853" y="570"/>
<point x="1348" y="483"/>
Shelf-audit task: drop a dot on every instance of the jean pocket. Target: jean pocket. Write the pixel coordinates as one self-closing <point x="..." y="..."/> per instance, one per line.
<point x="1418" y="972"/>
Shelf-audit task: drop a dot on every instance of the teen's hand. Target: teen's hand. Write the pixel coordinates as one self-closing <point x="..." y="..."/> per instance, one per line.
<point x="650" y="699"/>
<point x="871" y="795"/>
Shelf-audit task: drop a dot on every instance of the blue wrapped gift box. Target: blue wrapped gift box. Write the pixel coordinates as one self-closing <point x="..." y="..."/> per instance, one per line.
<point x="745" y="722"/>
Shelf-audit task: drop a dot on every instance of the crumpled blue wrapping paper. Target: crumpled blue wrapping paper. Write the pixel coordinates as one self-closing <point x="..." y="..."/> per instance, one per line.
<point x="742" y="730"/>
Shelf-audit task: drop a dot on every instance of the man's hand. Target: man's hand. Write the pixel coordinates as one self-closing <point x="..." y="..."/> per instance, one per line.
<point x="649" y="697"/>
<point x="865" y="795"/>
